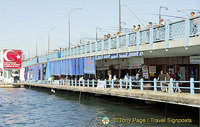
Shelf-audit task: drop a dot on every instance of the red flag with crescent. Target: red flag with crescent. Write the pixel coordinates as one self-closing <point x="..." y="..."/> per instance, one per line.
<point x="12" y="59"/>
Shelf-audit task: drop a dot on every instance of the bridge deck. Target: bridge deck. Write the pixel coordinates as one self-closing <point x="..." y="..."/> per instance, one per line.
<point x="175" y="98"/>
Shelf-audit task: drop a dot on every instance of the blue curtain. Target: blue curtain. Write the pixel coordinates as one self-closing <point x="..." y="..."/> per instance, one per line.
<point x="63" y="67"/>
<point x="48" y="70"/>
<point x="89" y="65"/>
<point x="77" y="67"/>
<point x="29" y="76"/>
<point x="70" y="67"/>
<point x="67" y="67"/>
<point x="26" y="73"/>
<point x="81" y="66"/>
<point x="73" y="67"/>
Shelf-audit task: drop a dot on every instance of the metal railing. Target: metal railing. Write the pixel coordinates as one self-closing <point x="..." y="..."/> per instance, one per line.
<point x="163" y="86"/>
<point x="171" y="31"/>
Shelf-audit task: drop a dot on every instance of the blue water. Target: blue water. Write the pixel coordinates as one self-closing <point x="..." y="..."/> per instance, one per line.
<point x="21" y="107"/>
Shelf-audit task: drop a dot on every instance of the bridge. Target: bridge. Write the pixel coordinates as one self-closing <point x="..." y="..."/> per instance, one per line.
<point x="179" y="38"/>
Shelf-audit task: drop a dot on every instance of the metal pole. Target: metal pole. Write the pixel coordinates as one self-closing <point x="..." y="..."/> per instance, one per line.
<point x="159" y="15"/>
<point x="69" y="21"/>
<point x="119" y="15"/>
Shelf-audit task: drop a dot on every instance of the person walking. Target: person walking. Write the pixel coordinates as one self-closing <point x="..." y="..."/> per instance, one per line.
<point x="161" y="78"/>
<point x="126" y="79"/>
<point x="167" y="79"/>
<point x="177" y="78"/>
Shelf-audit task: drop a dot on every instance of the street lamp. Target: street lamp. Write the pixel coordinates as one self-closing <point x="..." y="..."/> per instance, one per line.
<point x="160" y="12"/>
<point x="49" y="38"/>
<point x="69" y="21"/>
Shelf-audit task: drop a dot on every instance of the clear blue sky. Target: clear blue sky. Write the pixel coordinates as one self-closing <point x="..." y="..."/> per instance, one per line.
<point x="23" y="22"/>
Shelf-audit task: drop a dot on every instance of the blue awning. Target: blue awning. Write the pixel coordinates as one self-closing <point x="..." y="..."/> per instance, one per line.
<point x="98" y="57"/>
<point x="114" y="56"/>
<point x="106" y="56"/>
<point x="123" y="55"/>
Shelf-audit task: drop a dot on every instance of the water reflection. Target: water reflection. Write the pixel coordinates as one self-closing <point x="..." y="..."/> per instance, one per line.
<point x="39" y="107"/>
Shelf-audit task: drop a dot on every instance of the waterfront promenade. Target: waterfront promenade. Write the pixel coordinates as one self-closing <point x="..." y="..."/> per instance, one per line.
<point x="187" y="99"/>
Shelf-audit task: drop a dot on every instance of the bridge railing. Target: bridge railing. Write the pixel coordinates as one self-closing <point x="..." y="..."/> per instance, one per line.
<point x="163" y="86"/>
<point x="170" y="31"/>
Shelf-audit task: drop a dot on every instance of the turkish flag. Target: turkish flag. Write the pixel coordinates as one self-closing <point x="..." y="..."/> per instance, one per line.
<point x="12" y="58"/>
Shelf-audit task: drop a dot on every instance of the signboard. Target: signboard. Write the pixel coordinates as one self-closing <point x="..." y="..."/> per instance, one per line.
<point x="152" y="69"/>
<point x="182" y="72"/>
<point x="12" y="59"/>
<point x="145" y="72"/>
<point x="102" y="67"/>
<point x="194" y="59"/>
<point x="89" y="66"/>
<point x="101" y="85"/>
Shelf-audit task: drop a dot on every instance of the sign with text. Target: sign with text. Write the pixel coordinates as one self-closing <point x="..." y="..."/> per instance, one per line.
<point x="89" y="66"/>
<point x="152" y="69"/>
<point x="12" y="59"/>
<point x="145" y="72"/>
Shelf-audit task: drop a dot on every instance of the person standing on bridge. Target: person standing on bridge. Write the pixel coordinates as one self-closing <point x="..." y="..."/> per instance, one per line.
<point x="195" y="24"/>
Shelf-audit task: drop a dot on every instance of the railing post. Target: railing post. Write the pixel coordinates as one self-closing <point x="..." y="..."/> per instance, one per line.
<point x="88" y="82"/>
<point x="75" y="82"/>
<point x="112" y="83"/>
<point x="117" y="39"/>
<point x="79" y="83"/>
<point x="93" y="83"/>
<point x="63" y="82"/>
<point x="167" y="35"/>
<point x="105" y="83"/>
<point x="141" y="86"/>
<point x="91" y="49"/>
<point x="171" y="85"/>
<point x="66" y="82"/>
<point x="96" y="49"/>
<point x="192" y="86"/>
<point x="120" y="83"/>
<point x="83" y="83"/>
<point x="138" y="40"/>
<point x="102" y="47"/>
<point x="187" y="32"/>
<point x="85" y="49"/>
<point x="155" y="85"/>
<point x="109" y="45"/>
<point x="127" y="41"/>
<point x="130" y="84"/>
<point x="72" y="82"/>
<point x="81" y="52"/>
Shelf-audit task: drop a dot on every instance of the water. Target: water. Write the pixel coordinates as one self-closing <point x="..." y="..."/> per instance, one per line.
<point x="20" y="107"/>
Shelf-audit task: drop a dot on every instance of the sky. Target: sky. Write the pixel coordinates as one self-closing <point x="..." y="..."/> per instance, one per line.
<point x="23" y="23"/>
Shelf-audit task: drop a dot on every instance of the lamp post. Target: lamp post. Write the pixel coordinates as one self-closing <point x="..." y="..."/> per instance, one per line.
<point x="119" y="16"/>
<point x="49" y="38"/>
<point x="69" y="21"/>
<point x="160" y="12"/>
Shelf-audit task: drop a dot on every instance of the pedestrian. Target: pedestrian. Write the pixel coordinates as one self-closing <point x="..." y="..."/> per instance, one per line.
<point x="137" y="77"/>
<point x="138" y="28"/>
<point x="134" y="28"/>
<point x="109" y="79"/>
<point x="149" y="25"/>
<point x="126" y="79"/>
<point x="194" y="23"/>
<point x="171" y="75"/>
<point x="177" y="78"/>
<point x="167" y="79"/>
<point x="161" y="78"/>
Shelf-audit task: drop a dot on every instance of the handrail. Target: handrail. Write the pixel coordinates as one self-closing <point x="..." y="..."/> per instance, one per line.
<point x="175" y="32"/>
<point x="171" y="86"/>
